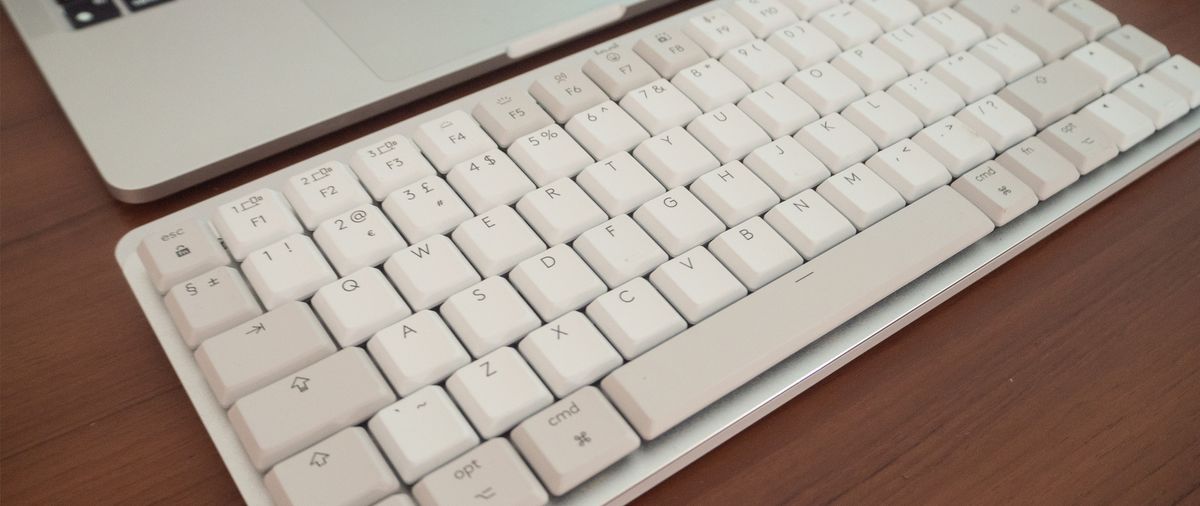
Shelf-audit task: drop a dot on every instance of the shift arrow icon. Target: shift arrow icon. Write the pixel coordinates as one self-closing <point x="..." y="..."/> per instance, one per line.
<point x="300" y="383"/>
<point x="319" y="459"/>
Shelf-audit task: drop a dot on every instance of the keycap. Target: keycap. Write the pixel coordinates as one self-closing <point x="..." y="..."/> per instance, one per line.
<point x="451" y="139"/>
<point x="716" y="31"/>
<point x="489" y="180"/>
<point x="429" y="271"/>
<point x="997" y="122"/>
<point x="426" y="207"/>
<point x="605" y="130"/>
<point x="488" y="315"/>
<point x="950" y="29"/>
<point x="728" y="133"/>
<point x="674" y="157"/>
<point x="1103" y="65"/>
<point x="678" y="221"/>
<point x="927" y="97"/>
<point x="846" y="25"/>
<point x="996" y="192"/>
<point x="804" y="45"/>
<point x="1154" y="99"/>
<point x="861" y="195"/>
<point x="569" y="353"/>
<point x="669" y="51"/>
<point x="397" y="500"/>
<point x="673" y="381"/>
<point x="734" y="193"/>
<point x="548" y="154"/>
<point x="619" y="184"/>
<point x="659" y="106"/>
<point x="560" y="211"/>
<point x="556" y="281"/>
<point x="619" y="250"/>
<point x="758" y="64"/>
<point x="496" y="240"/>
<point x="1007" y="56"/>
<point x="324" y="191"/>
<point x="574" y="439"/>
<point x="421" y="432"/>
<point x="617" y="69"/>
<point x="388" y="164"/>
<point x="882" y="118"/>
<point x="778" y="110"/>
<point x="762" y="16"/>
<point x="291" y="269"/>
<point x="313" y="403"/>
<point x="825" y="88"/>
<point x="509" y="114"/>
<point x="417" y="351"/>
<point x="635" y="317"/>
<point x="928" y="6"/>
<point x="755" y="253"/>
<point x="968" y="76"/>
<point x="1181" y="75"/>
<point x="806" y="9"/>
<point x="1089" y="18"/>
<point x="1046" y="34"/>
<point x="566" y="93"/>
<point x="1119" y="121"/>
<point x="836" y="142"/>
<point x="1081" y="142"/>
<point x="786" y="167"/>
<point x="1051" y="93"/>
<point x="358" y="305"/>
<point x="869" y="67"/>
<point x="173" y="254"/>
<point x="210" y="303"/>
<point x="912" y="48"/>
<point x="497" y="391"/>
<point x="358" y="238"/>
<point x="710" y="85"/>
<point x="1137" y="47"/>
<point x="955" y="145"/>
<point x="809" y="223"/>
<point x="1038" y="166"/>
<point x="253" y="221"/>
<point x="261" y="350"/>
<point x="909" y="169"/>
<point x="990" y="15"/>
<point x="697" y="284"/>
<point x="890" y="14"/>
<point x="345" y="468"/>
<point x="491" y="472"/>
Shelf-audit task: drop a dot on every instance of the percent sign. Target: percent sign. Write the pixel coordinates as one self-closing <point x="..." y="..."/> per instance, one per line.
<point x="548" y="134"/>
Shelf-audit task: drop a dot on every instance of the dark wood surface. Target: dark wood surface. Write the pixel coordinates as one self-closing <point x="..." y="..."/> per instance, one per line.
<point x="1070" y="375"/>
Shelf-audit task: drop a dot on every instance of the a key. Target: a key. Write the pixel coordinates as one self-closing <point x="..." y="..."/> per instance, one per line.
<point x="1081" y="142"/>
<point x="574" y="439"/>
<point x="488" y="315"/>
<point x="426" y="207"/>
<point x="1007" y="56"/>
<point x="697" y="284"/>
<point x="619" y="184"/>
<point x="1154" y="99"/>
<point x="489" y="180"/>
<point x="997" y="122"/>
<point x="358" y="305"/>
<point x="253" y="221"/>
<point x="309" y="405"/>
<point x="291" y="269"/>
<point x="358" y="238"/>
<point x="1134" y="45"/>
<point x="762" y="16"/>
<point x="909" y="169"/>
<point x="1103" y="65"/>
<point x="882" y="118"/>
<point x="969" y="77"/>
<point x="605" y="130"/>
<point x="619" y="250"/>
<point x="548" y="154"/>
<point x="836" y="142"/>
<point x="717" y="32"/>
<point x="497" y="391"/>
<point x="950" y="29"/>
<point x="451" y="139"/>
<point x="1051" y="93"/>
<point x="678" y="221"/>
<point x="259" y="351"/>
<point x="1119" y="121"/>
<point x="827" y="89"/>
<point x="173" y="254"/>
<point x="617" y="69"/>
<point x="912" y="48"/>
<point x="566" y="93"/>
<point x="490" y="472"/>
<point x="734" y="193"/>
<point x="778" y="110"/>
<point x="496" y="240"/>
<point x="927" y="97"/>
<point x="1089" y="18"/>
<point x="786" y="167"/>
<point x="346" y="468"/>
<point x="674" y="157"/>
<point x="758" y="64"/>
<point x="387" y="165"/>
<point x="669" y="51"/>
<point x="806" y="9"/>
<point x="324" y="191"/>
<point x="510" y="114"/>
<point x="809" y="223"/>
<point x="560" y="211"/>
<point x="846" y="25"/>
<point x="659" y="106"/>
<point x="569" y="353"/>
<point x="210" y="303"/>
<point x="428" y="271"/>
<point x="421" y="432"/>
<point x="861" y="195"/>
<point x="417" y="351"/>
<point x="955" y="145"/>
<point x="556" y="281"/>
<point x="635" y="317"/>
<point x="996" y="192"/>
<point x="1042" y="169"/>
<point x="869" y="67"/>
<point x="889" y="14"/>
<point x="1181" y="75"/>
<point x="804" y="45"/>
<point x="728" y="133"/>
<point x="709" y="84"/>
<point x="755" y="253"/>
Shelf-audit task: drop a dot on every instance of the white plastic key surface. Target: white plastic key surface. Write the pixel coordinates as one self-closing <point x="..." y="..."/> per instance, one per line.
<point x="565" y="93"/>
<point x="556" y="281"/>
<point x="291" y="269"/>
<point x="635" y="317"/>
<point x="786" y="167"/>
<point x="569" y="353"/>
<point x="619" y="250"/>
<point x="953" y="31"/>
<point x="451" y="139"/>
<point x="1040" y="167"/>
<point x="678" y="221"/>
<point x="728" y="133"/>
<point x="619" y="184"/>
<point x="778" y="110"/>
<point x="549" y="153"/>
<point x="488" y="315"/>
<point x="560" y="211"/>
<point x="697" y="284"/>
<point x="358" y="305"/>
<point x="803" y="44"/>
<point x="809" y="223"/>
<point x="1105" y="67"/>
<point x="497" y="391"/>
<point x="429" y="271"/>
<point x="426" y="207"/>
<point x="836" y="142"/>
<point x="324" y="191"/>
<point x="421" y="432"/>
<point x="1119" y="121"/>
<point x="489" y="180"/>
<point x="861" y="195"/>
<point x="389" y="164"/>
<point x="1154" y="99"/>
<point x="996" y="192"/>
<point x="716" y="31"/>
<point x="605" y="130"/>
<point x="254" y="220"/>
<point x="675" y="157"/>
<point x="1182" y="75"/>
<point x="210" y="303"/>
<point x="176" y="253"/>
<point x="358" y="238"/>
<point x="346" y="468"/>
<point x="417" y="351"/>
<point x="509" y="114"/>
<point x="824" y="87"/>
<point x="734" y="193"/>
<point x="492" y="470"/>
<point x="496" y="240"/>
<point x="908" y="168"/>
<point x="659" y="106"/>
<point x="755" y="253"/>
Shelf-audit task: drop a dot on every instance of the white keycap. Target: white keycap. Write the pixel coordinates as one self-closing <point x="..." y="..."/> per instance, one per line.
<point x="346" y="468"/>
<point x="847" y="26"/>
<point x="574" y="439"/>
<point x="388" y="164"/>
<point x="997" y="122"/>
<point x="1042" y="169"/>
<point x="1154" y="99"/>
<point x="953" y="31"/>
<point x="560" y="211"/>
<point x="678" y="221"/>
<point x="428" y="271"/>
<point x="836" y="142"/>
<point x="619" y="184"/>
<point x="1103" y="65"/>
<point x="451" y="139"/>
<point x="635" y="317"/>
<point x="1081" y="142"/>
<point x="421" y="432"/>
<point x="778" y="110"/>
<point x="257" y="352"/>
<point x="659" y="106"/>
<point x="909" y="169"/>
<point x="861" y="195"/>
<point x="606" y="129"/>
<point x="488" y="315"/>
<point x="1137" y="47"/>
<point x="734" y="193"/>
<point x="804" y="45"/>
<point x="253" y="221"/>
<point x="173" y="254"/>
<point x="426" y="207"/>
<point x="418" y="351"/>
<point x="1051" y="93"/>
<point x="912" y="48"/>
<point x="728" y="133"/>
<point x="556" y="281"/>
<point x="618" y="69"/>
<point x="496" y="240"/>
<point x="806" y="9"/>
<point x="755" y="253"/>
<point x="291" y="269"/>
<point x="509" y="114"/>
<point x="1007" y="56"/>
<point x="1181" y="75"/>
<point x="809" y="223"/>
<point x="697" y="284"/>
<point x="498" y="391"/>
<point x="358" y="305"/>
<point x="210" y="303"/>
<point x="489" y="180"/>
<point x="786" y="167"/>
<point x="1087" y="17"/>
<point x="758" y="64"/>
<point x="669" y="51"/>
<point x="397" y="500"/>
<point x="762" y="16"/>
<point x="825" y="88"/>
<point x="955" y="145"/>
<point x="710" y="85"/>
<point x="927" y="97"/>
<point x="290" y="414"/>
<point x="619" y="250"/>
<point x="928" y="6"/>
<point x="996" y="192"/>
<point x="324" y="191"/>
<point x="674" y="157"/>
<point x="890" y="14"/>
<point x="1046" y="34"/>
<point x="358" y="238"/>
<point x="569" y="353"/>
<point x="882" y="118"/>
<point x="548" y="154"/>
<point x="492" y="470"/>
<point x="1119" y="121"/>
<point x="990" y="15"/>
<point x="717" y="32"/>
<point x="869" y="67"/>
<point x="566" y="93"/>
<point x="969" y="77"/>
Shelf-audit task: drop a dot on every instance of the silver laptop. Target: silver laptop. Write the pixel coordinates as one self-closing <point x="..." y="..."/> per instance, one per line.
<point x="166" y="94"/>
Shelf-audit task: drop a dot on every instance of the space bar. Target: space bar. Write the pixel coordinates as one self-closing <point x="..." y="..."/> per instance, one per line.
<point x="685" y="374"/>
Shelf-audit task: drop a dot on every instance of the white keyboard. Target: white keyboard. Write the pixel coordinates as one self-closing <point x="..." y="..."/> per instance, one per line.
<point x="540" y="292"/>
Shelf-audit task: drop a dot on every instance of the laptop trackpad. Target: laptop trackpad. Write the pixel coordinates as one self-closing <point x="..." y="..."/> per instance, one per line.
<point x="399" y="39"/>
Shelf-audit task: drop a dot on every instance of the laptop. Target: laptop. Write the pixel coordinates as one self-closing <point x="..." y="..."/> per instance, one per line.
<point x="167" y="94"/>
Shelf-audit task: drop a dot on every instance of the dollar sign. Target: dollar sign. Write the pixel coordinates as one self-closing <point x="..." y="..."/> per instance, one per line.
<point x="191" y="289"/>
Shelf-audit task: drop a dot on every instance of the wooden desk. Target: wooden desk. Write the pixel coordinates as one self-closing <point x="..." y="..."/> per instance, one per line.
<point x="1072" y="374"/>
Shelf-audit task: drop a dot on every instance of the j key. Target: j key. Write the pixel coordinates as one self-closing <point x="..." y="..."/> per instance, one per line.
<point x="786" y="167"/>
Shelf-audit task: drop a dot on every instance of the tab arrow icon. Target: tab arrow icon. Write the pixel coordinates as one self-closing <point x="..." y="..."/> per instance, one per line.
<point x="256" y="328"/>
<point x="300" y="383"/>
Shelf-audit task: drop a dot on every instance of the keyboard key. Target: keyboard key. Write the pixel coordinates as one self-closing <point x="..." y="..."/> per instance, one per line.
<point x="290" y="414"/>
<point x="635" y="317"/>
<point x="1154" y="99"/>
<point x="786" y="167"/>
<point x="968" y="76"/>
<point x="996" y="192"/>
<point x="912" y="48"/>
<point x="1007" y="56"/>
<point x="619" y="184"/>
<point x="488" y="315"/>
<point x="861" y="195"/>
<point x="605" y="130"/>
<point x="882" y="118"/>
<point x="496" y="392"/>
<point x="566" y="93"/>
<point x="997" y="122"/>
<point x="928" y="6"/>
<point x="253" y="221"/>
<point x="697" y="284"/>
<point x="758" y="64"/>
<point x="728" y="133"/>
<point x="734" y="193"/>
<point x="755" y="253"/>
<point x="778" y="110"/>
<point x="569" y="353"/>
<point x="675" y="157"/>
<point x="492" y="470"/>
<point x="1089" y="18"/>
<point x="617" y="70"/>
<point x="869" y="67"/>
<point x="762" y="16"/>
<point x="560" y="211"/>
<point x="496" y="240"/>
<point x="452" y="138"/>
<point x="346" y="468"/>
<point x="1103" y="65"/>
<point x="910" y="170"/>
<point x="1044" y="170"/>
<point x="809" y="223"/>
<point x="717" y="32"/>
<point x="323" y="192"/>
<point x="1137" y="47"/>
<point x="847" y="26"/>
<point x="176" y="253"/>
<point x="678" y="221"/>
<point x="927" y="97"/>
<point x="419" y="350"/>
<point x="950" y="29"/>
<point x="360" y="237"/>
<point x="489" y="180"/>
<point x="1119" y="121"/>
<point x="397" y="500"/>
<point x="1051" y="93"/>
<point x="836" y="142"/>
<point x="556" y="282"/>
<point x="291" y="269"/>
<point x="659" y="106"/>
<point x="421" y="432"/>
<point x="358" y="305"/>
<point x="827" y="89"/>
<point x="429" y="271"/>
<point x="955" y="145"/>
<point x="1046" y="34"/>
<point x="548" y="154"/>
<point x="1081" y="142"/>
<point x="619" y="250"/>
<point x="710" y="85"/>
<point x="210" y="303"/>
<point x="1181" y="75"/>
<point x="387" y="165"/>
<point x="425" y="208"/>
<point x="890" y="14"/>
<point x="510" y="114"/>
<point x="669" y="51"/>
<point x="804" y="45"/>
<point x="806" y="9"/>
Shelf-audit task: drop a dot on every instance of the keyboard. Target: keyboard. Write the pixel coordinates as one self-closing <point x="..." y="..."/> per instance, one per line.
<point x="568" y="285"/>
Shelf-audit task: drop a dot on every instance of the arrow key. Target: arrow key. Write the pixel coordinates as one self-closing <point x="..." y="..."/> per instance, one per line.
<point x="343" y="469"/>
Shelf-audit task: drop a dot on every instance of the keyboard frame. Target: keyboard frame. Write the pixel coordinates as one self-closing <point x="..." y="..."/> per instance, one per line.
<point x="656" y="460"/>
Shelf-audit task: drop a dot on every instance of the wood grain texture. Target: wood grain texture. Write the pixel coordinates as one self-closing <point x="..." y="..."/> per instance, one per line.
<point x="1070" y="375"/>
